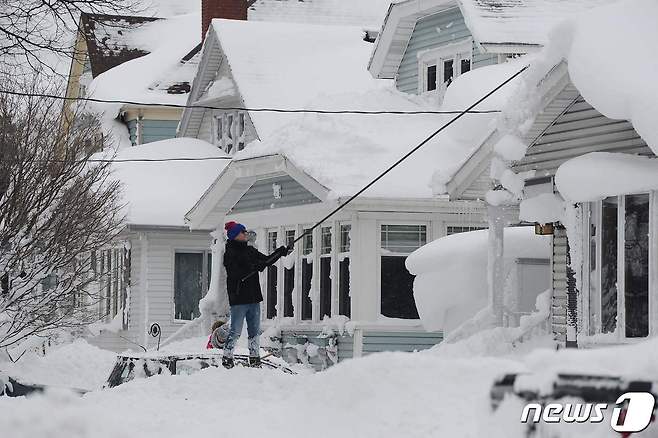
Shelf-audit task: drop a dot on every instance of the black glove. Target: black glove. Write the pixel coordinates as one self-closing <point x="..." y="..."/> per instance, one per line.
<point x="281" y="251"/>
<point x="289" y="249"/>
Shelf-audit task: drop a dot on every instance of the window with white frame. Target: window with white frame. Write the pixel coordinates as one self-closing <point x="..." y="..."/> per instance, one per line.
<point x="229" y="131"/>
<point x="397" y="242"/>
<point x="191" y="280"/>
<point x="440" y="66"/>
<point x="272" y="278"/>
<point x="289" y="279"/>
<point x="307" y="275"/>
<point x="455" y="229"/>
<point x="325" y="271"/>
<point x="618" y="265"/>
<point x="344" y="299"/>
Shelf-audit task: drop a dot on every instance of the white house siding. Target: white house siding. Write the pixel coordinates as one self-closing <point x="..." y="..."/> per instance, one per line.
<point x="425" y="36"/>
<point x="576" y="130"/>
<point x="160" y="275"/>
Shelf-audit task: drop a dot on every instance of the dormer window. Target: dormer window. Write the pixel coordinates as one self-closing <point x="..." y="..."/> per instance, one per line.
<point x="229" y="131"/>
<point x="438" y="67"/>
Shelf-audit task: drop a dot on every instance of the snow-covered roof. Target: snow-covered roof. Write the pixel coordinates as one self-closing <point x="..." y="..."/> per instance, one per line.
<point x="161" y="76"/>
<point x="365" y="13"/>
<point x="345" y="152"/>
<point x="109" y="41"/>
<point x="520" y="21"/>
<point x="160" y="193"/>
<point x="290" y="65"/>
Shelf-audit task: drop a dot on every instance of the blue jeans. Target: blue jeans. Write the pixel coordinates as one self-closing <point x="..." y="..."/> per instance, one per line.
<point x="240" y="312"/>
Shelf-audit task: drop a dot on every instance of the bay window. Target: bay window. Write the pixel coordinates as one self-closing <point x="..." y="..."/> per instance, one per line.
<point x="397" y="242"/>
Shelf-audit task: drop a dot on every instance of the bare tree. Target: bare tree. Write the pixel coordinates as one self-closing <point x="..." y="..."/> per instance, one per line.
<point x="56" y="207"/>
<point x="35" y="33"/>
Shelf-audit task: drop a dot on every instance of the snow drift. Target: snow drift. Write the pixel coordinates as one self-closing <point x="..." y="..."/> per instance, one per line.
<point x="451" y="273"/>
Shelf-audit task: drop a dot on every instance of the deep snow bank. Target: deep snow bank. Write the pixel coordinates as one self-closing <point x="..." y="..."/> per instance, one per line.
<point x="451" y="273"/>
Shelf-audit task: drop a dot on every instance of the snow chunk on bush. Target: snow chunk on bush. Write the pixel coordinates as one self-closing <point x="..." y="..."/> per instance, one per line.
<point x="451" y="273"/>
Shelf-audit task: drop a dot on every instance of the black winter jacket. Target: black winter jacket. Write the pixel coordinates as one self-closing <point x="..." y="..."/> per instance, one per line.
<point x="241" y="261"/>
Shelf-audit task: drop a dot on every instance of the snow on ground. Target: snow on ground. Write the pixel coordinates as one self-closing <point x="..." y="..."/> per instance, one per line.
<point x="451" y="273"/>
<point x="77" y="364"/>
<point x="160" y="193"/>
<point x="434" y="393"/>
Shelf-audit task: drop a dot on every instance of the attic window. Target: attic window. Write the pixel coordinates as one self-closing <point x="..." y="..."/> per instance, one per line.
<point x="229" y="131"/>
<point x="438" y="67"/>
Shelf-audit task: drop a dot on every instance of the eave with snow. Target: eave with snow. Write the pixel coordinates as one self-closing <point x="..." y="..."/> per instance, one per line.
<point x="572" y="147"/>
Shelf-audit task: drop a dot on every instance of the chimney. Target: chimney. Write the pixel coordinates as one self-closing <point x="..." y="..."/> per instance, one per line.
<point x="229" y="9"/>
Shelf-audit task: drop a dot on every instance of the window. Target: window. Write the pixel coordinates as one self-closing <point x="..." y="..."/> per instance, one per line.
<point x="344" y="299"/>
<point x="454" y="229"/>
<point x="431" y="78"/>
<point x="271" y="277"/>
<point x="307" y="275"/>
<point x="618" y="265"/>
<point x="325" y="272"/>
<point x="191" y="279"/>
<point x="440" y="66"/>
<point x="289" y="280"/>
<point x="230" y="129"/>
<point x="397" y="242"/>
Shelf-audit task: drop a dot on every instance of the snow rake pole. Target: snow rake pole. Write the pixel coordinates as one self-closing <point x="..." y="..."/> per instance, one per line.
<point x="408" y="154"/>
<point x="401" y="159"/>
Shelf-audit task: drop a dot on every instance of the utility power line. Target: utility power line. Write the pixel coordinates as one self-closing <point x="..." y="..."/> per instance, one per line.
<point x="236" y="108"/>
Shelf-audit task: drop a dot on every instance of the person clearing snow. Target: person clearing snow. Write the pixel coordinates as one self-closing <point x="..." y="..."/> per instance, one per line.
<point x="244" y="295"/>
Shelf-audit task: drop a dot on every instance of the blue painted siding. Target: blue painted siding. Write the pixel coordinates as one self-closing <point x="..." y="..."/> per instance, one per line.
<point x="426" y="36"/>
<point x="376" y="342"/>
<point x="260" y="195"/>
<point x="155" y="130"/>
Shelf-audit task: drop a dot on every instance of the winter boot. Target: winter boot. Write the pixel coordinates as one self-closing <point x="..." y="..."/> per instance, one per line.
<point x="254" y="362"/>
<point x="227" y="362"/>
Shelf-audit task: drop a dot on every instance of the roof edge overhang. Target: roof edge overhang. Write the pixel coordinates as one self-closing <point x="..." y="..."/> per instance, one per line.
<point x="510" y="47"/>
<point x="237" y="178"/>
<point x="548" y="87"/>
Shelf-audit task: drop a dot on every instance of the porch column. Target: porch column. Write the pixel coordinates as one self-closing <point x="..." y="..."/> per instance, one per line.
<point x="495" y="261"/>
<point x="215" y="303"/>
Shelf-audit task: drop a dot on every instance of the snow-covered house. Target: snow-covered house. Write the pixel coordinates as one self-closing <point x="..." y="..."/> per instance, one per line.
<point x="158" y="270"/>
<point x="579" y="129"/>
<point x="289" y="170"/>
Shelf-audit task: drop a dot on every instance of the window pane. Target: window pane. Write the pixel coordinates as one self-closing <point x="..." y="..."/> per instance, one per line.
<point x="636" y="265"/>
<point x="290" y="237"/>
<point x="403" y="239"/>
<point x="188" y="271"/>
<point x="220" y="128"/>
<point x="397" y="289"/>
<point x="465" y="65"/>
<point x="594" y="292"/>
<point x="345" y="237"/>
<point x="448" y="71"/>
<point x="325" y="241"/>
<point x="307" y="242"/>
<point x="325" y="287"/>
<point x="344" y="299"/>
<point x="229" y="126"/>
<point x="288" y="287"/>
<point x="307" y="277"/>
<point x="431" y="77"/>
<point x="462" y="229"/>
<point x="271" y="241"/>
<point x="271" y="291"/>
<point x="609" y="265"/>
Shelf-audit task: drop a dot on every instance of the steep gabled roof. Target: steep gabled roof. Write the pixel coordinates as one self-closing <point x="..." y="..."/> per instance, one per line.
<point x="108" y="39"/>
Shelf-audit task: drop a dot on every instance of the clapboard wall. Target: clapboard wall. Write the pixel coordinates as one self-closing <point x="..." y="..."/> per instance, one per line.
<point x="432" y="32"/>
